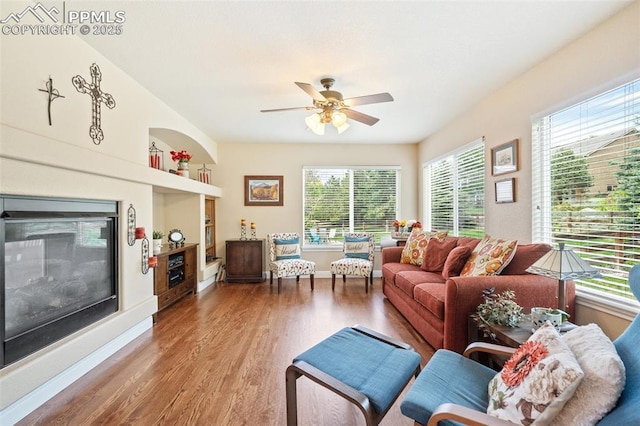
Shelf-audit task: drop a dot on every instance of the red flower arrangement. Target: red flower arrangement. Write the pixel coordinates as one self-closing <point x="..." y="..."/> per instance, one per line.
<point x="522" y="361"/>
<point x="180" y="156"/>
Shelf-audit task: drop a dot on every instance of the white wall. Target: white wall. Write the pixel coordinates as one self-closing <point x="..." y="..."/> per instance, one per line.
<point x="62" y="161"/>
<point x="287" y="160"/>
<point x="604" y="58"/>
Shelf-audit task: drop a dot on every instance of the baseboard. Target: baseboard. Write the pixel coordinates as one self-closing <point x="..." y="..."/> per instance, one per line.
<point x="34" y="399"/>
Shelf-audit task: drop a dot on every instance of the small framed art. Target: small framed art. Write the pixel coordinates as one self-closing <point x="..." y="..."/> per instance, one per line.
<point x="504" y="158"/>
<point x="263" y="191"/>
<point x="506" y="191"/>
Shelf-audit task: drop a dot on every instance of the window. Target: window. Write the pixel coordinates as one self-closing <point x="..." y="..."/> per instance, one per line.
<point x="586" y="184"/>
<point x="356" y="199"/>
<point x="454" y="192"/>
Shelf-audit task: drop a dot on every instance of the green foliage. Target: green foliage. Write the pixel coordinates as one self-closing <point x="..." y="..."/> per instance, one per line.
<point x="157" y="235"/>
<point x="569" y="175"/>
<point x="498" y="309"/>
<point x="627" y="193"/>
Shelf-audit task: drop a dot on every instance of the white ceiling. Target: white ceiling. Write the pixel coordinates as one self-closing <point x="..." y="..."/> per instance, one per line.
<point x="218" y="63"/>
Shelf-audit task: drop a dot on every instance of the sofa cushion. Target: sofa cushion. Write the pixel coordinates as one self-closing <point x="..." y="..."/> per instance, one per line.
<point x="455" y="261"/>
<point x="489" y="257"/>
<point x="407" y="280"/>
<point x="526" y="255"/>
<point x="431" y="296"/>
<point x="414" y="248"/>
<point x="436" y="253"/>
<point x="469" y="242"/>
<point x="537" y="381"/>
<point x="604" y="376"/>
<point x="390" y="270"/>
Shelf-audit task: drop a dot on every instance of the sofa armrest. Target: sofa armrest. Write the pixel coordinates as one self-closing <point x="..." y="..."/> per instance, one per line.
<point x="391" y="254"/>
<point x="464" y="294"/>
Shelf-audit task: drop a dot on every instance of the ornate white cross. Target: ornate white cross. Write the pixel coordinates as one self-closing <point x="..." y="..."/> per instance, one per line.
<point x="97" y="97"/>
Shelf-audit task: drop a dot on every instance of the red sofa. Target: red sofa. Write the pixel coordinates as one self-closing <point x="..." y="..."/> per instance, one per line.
<point x="439" y="308"/>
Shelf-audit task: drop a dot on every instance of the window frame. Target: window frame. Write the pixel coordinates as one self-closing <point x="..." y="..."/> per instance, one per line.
<point x="541" y="189"/>
<point x="348" y="169"/>
<point x="428" y="191"/>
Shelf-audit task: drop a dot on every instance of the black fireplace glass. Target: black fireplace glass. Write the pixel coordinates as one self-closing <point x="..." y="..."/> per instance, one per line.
<point x="58" y="264"/>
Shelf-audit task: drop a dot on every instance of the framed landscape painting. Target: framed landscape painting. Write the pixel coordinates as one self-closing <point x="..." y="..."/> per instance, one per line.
<point x="504" y="158"/>
<point x="263" y="191"/>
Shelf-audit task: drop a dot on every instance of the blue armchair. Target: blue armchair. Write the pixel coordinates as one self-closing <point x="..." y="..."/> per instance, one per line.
<point x="453" y="388"/>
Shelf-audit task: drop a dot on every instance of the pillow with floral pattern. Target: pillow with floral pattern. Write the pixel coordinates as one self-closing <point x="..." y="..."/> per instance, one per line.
<point x="416" y="245"/>
<point x="489" y="257"/>
<point x="537" y="381"/>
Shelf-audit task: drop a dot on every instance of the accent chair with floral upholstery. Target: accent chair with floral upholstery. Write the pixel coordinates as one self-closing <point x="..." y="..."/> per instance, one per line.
<point x="358" y="259"/>
<point x="285" y="259"/>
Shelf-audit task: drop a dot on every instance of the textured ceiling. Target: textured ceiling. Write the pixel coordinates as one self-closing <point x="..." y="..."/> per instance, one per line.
<point x="218" y="63"/>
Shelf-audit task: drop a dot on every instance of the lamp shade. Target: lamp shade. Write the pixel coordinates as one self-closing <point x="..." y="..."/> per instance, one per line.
<point x="563" y="265"/>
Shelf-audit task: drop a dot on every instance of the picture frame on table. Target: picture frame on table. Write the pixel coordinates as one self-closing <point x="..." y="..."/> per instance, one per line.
<point x="506" y="191"/>
<point x="263" y="191"/>
<point x="504" y="158"/>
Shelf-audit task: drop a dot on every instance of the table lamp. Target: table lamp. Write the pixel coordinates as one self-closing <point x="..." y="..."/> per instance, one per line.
<point x="563" y="265"/>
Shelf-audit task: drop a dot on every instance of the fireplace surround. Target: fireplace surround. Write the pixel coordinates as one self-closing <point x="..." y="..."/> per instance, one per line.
<point x="58" y="262"/>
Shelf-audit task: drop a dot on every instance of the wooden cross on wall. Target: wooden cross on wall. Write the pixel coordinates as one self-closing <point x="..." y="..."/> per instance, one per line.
<point x="97" y="97"/>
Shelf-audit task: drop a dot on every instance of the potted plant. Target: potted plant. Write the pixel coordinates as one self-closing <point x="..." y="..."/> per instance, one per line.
<point x="498" y="309"/>
<point x="157" y="241"/>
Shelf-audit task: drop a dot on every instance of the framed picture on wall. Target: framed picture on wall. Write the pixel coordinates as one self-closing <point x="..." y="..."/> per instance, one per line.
<point x="504" y="158"/>
<point x="263" y="191"/>
<point x="506" y="191"/>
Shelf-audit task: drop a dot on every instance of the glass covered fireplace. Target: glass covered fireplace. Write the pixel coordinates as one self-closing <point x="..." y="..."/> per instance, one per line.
<point x="58" y="269"/>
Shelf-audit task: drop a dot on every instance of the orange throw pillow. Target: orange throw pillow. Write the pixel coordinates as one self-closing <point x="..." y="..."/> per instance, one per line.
<point x="416" y="245"/>
<point x="490" y="257"/>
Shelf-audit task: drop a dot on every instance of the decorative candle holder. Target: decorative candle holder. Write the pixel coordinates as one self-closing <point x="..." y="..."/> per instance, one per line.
<point x="253" y="231"/>
<point x="140" y="233"/>
<point x="131" y="225"/>
<point x="243" y="229"/>
<point x="156" y="157"/>
<point x="153" y="261"/>
<point x="204" y="175"/>
<point x="145" y="255"/>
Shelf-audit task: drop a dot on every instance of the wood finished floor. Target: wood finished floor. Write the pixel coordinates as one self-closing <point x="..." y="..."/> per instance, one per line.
<point x="219" y="358"/>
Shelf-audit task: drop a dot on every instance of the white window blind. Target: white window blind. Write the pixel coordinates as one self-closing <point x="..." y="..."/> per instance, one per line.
<point x="454" y="192"/>
<point x="353" y="199"/>
<point x="586" y="184"/>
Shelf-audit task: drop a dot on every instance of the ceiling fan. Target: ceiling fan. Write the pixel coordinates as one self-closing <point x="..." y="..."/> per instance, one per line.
<point x="333" y="108"/>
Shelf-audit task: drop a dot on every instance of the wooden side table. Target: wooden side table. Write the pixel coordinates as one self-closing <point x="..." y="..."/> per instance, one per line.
<point x="244" y="261"/>
<point x="507" y="336"/>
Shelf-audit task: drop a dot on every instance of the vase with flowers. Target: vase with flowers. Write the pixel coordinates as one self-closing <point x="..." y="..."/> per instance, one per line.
<point x="182" y="157"/>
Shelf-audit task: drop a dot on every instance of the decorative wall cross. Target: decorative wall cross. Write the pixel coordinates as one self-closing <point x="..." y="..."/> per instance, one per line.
<point x="97" y="97"/>
<point x="53" y="95"/>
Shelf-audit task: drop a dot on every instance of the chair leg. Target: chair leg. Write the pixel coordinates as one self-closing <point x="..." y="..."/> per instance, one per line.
<point x="292" y="397"/>
<point x="270" y="277"/>
<point x="366" y="284"/>
<point x="344" y="278"/>
<point x="279" y="284"/>
<point x="333" y="281"/>
<point x="311" y="279"/>
<point x="297" y="278"/>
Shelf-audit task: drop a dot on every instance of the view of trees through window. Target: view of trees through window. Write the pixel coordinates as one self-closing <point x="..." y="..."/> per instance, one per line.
<point x="341" y="200"/>
<point x="587" y="183"/>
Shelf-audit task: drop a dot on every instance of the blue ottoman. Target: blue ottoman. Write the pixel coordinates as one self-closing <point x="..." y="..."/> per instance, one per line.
<point x="367" y="368"/>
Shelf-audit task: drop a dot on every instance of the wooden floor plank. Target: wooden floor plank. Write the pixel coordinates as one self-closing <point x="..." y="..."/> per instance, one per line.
<point x="219" y="358"/>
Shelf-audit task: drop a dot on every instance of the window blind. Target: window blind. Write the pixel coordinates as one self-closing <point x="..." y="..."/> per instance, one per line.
<point x="586" y="183"/>
<point x="352" y="199"/>
<point x="454" y="192"/>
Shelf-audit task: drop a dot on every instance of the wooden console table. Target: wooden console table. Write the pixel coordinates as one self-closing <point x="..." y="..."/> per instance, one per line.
<point x="175" y="275"/>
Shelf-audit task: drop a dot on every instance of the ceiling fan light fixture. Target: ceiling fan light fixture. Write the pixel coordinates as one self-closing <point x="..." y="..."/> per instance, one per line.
<point x="342" y="128"/>
<point x="338" y="118"/>
<point x="318" y="129"/>
<point x="313" y="120"/>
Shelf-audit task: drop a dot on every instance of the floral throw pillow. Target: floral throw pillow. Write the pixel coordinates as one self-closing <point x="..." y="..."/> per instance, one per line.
<point x="490" y="257"/>
<point x="537" y="381"/>
<point x="416" y="245"/>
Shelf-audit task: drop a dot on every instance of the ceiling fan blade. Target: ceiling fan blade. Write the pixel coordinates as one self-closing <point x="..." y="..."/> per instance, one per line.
<point x="369" y="99"/>
<point x="311" y="91"/>
<point x="286" y="109"/>
<point x="358" y="116"/>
